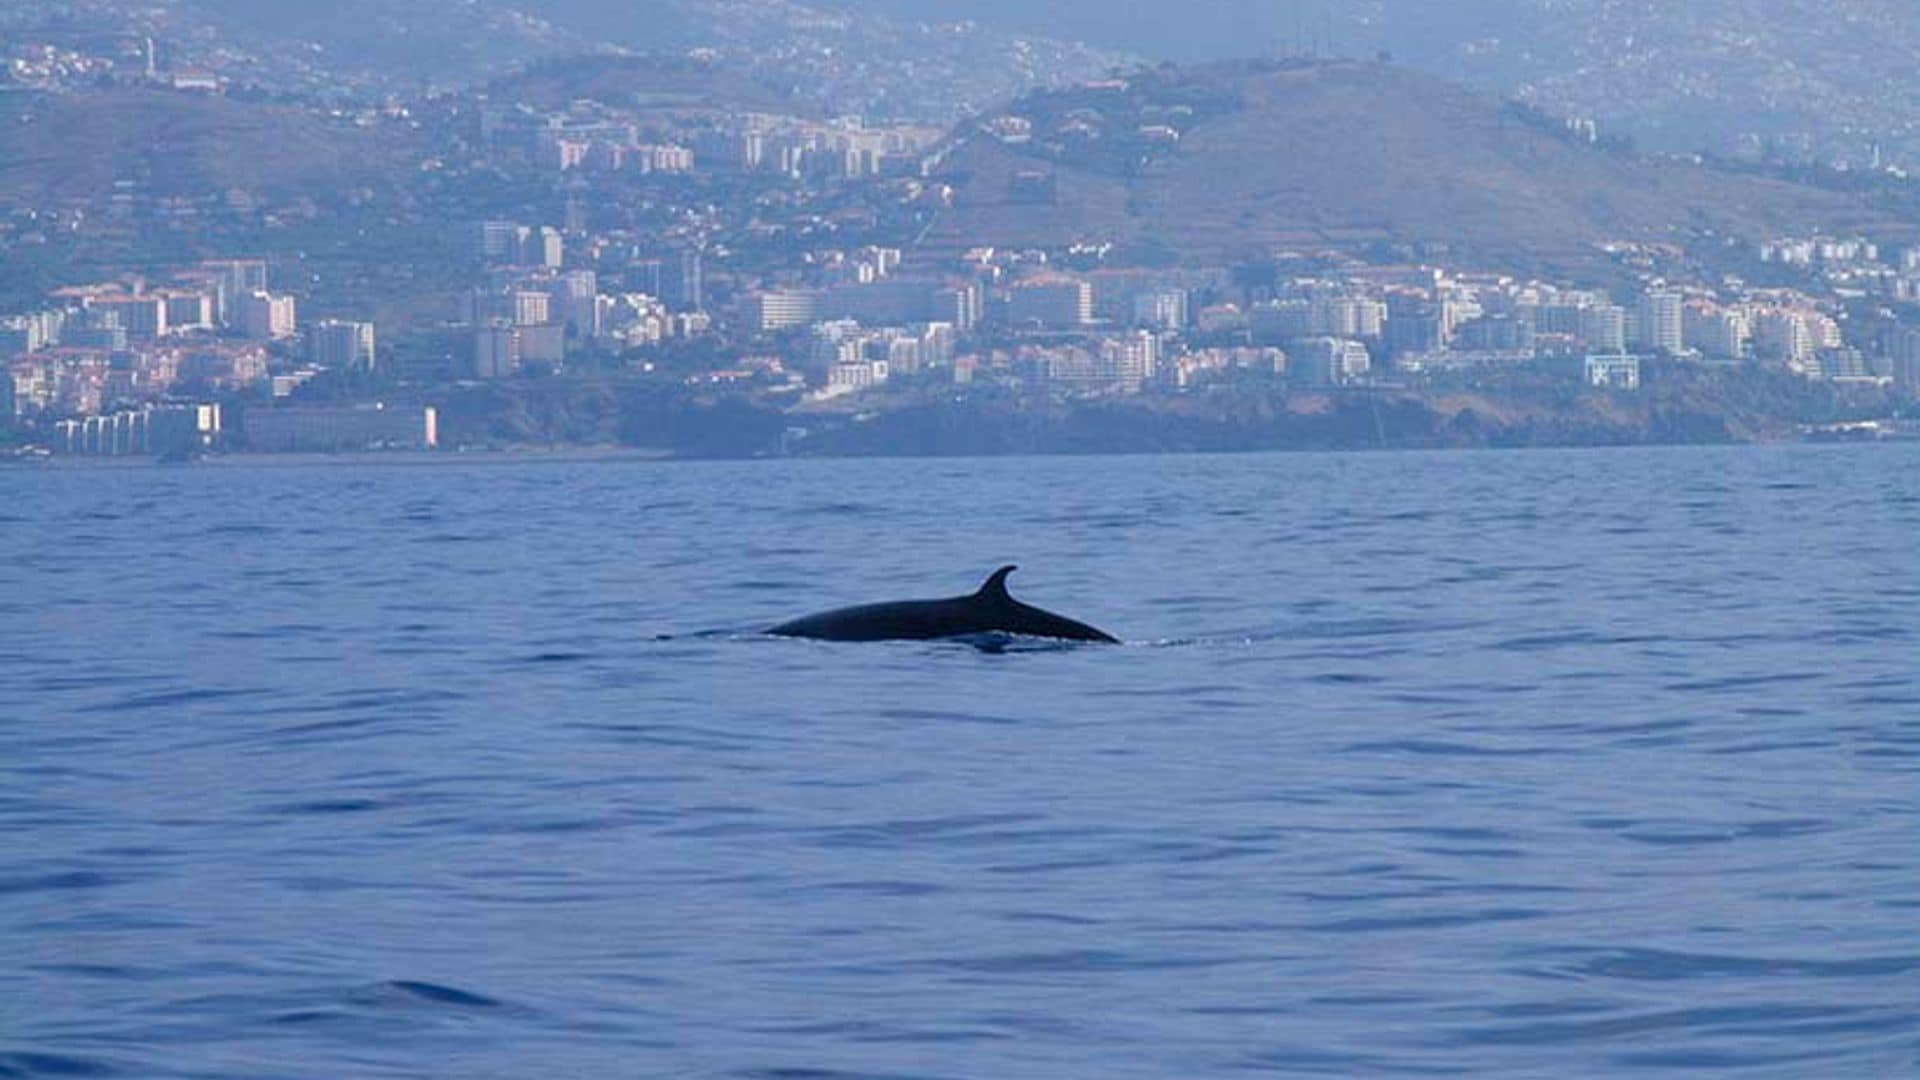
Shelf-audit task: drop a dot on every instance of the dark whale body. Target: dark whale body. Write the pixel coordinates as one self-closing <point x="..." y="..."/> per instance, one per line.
<point x="989" y="611"/>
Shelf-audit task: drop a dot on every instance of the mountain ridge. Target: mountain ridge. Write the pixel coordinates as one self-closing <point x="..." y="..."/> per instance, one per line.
<point x="1343" y="155"/>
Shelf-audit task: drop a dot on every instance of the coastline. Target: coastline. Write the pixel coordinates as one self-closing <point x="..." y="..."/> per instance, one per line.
<point x="414" y="458"/>
<point x="536" y="455"/>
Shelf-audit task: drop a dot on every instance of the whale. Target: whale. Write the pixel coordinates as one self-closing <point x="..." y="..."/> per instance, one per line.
<point x="988" y="610"/>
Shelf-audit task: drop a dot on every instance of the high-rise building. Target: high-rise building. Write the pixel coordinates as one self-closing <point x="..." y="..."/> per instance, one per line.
<point x="1558" y="319"/>
<point x="188" y="309"/>
<point x="1131" y="359"/>
<point x="531" y="308"/>
<point x="232" y="280"/>
<point x="647" y="276"/>
<point x="144" y="317"/>
<point x="242" y="275"/>
<point x="1844" y="363"/>
<point x="1717" y="332"/>
<point x="543" y="246"/>
<point x="1274" y="321"/>
<point x="1603" y="328"/>
<point x="781" y="309"/>
<point x="959" y="305"/>
<point x="1348" y="317"/>
<point x="266" y="317"/>
<point x="1163" y="309"/>
<point x="1662" y="322"/>
<point x="1497" y="333"/>
<point x="1328" y="361"/>
<point x="1054" y="303"/>
<point x="936" y="345"/>
<point x="1906" y="359"/>
<point x="684" y="287"/>
<point x="1785" y="336"/>
<point x="496" y="350"/>
<point x="1414" y="324"/>
<point x="496" y="241"/>
<point x="335" y="343"/>
<point x="903" y="352"/>
<point x="575" y="303"/>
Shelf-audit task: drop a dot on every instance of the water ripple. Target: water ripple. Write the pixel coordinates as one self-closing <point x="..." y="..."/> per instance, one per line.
<point x="1516" y="764"/>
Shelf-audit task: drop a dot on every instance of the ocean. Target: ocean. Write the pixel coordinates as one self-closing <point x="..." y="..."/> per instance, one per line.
<point x="1533" y="763"/>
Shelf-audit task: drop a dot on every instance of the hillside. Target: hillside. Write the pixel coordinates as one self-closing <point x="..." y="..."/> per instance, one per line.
<point x="401" y="41"/>
<point x="874" y="64"/>
<point x="1345" y="155"/>
<point x="658" y="82"/>
<point x="1830" y="79"/>
<point x="76" y="147"/>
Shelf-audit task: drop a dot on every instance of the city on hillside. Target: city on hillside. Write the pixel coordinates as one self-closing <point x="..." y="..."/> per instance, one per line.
<point x="664" y="252"/>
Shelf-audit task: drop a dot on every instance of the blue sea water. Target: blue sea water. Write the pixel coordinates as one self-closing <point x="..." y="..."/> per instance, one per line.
<point x="1484" y="763"/>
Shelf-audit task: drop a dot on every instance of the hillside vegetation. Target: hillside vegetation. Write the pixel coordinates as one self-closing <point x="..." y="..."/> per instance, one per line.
<point x="646" y="82"/>
<point x="1342" y="154"/>
<point x="75" y="148"/>
<point x="1676" y="74"/>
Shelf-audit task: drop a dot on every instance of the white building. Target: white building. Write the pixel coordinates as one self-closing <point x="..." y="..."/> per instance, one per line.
<point x="165" y="429"/>
<point x="336" y="429"/>
<point x="782" y="309"/>
<point x="853" y="376"/>
<point x="188" y="310"/>
<point x="267" y="317"/>
<point x="1613" y="372"/>
<point x="1130" y="360"/>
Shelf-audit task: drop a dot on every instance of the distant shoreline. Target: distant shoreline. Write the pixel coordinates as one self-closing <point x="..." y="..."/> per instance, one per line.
<point x="618" y="455"/>
<point x="530" y="454"/>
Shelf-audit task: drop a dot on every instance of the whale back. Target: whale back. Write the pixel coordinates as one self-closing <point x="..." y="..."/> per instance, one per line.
<point x="997" y="607"/>
<point x="989" y="609"/>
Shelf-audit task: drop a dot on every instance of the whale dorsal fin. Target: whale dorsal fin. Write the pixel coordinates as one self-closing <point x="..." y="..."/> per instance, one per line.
<point x="996" y="586"/>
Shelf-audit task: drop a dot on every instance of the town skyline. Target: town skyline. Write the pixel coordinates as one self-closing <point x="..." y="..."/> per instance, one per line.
<point x="599" y="229"/>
